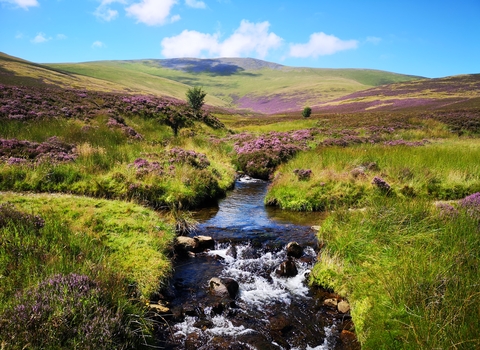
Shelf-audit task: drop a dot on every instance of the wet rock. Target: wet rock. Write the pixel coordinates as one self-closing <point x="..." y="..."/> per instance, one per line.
<point x="183" y="245"/>
<point x="226" y="287"/>
<point x="343" y="307"/>
<point x="203" y="324"/>
<point x="349" y="340"/>
<point x="232" y="251"/>
<point x="288" y="268"/>
<point x="294" y="249"/>
<point x="187" y="246"/>
<point x="193" y="341"/>
<point x="280" y="323"/>
<point x="159" y="308"/>
<point x="203" y="243"/>
<point x="250" y="253"/>
<point x="330" y="302"/>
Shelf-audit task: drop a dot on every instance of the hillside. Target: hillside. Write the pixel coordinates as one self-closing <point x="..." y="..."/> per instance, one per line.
<point x="449" y="92"/>
<point x="250" y="84"/>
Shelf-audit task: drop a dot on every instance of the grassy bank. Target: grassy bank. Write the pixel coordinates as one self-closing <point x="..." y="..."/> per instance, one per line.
<point x="439" y="170"/>
<point x="410" y="271"/>
<point x="68" y="262"/>
<point x="121" y="152"/>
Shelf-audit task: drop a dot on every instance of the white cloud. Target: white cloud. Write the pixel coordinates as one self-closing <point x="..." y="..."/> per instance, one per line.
<point x="61" y="36"/>
<point x="189" y="43"/>
<point x="321" y="44"/>
<point x="98" y="45"/>
<point x="249" y="38"/>
<point x="40" y="38"/>
<point x="105" y="12"/>
<point x="25" y="4"/>
<point x="152" y="12"/>
<point x="196" y="4"/>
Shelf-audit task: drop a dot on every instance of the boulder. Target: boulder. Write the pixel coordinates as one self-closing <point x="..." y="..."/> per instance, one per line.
<point x="225" y="287"/>
<point x="183" y="244"/>
<point x="203" y="243"/>
<point x="343" y="307"/>
<point x="187" y="245"/>
<point x="330" y="302"/>
<point x="294" y="249"/>
<point x="288" y="268"/>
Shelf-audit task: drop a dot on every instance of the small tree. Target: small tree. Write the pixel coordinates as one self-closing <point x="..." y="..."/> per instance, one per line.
<point x="196" y="98"/>
<point x="177" y="119"/>
<point x="307" y="111"/>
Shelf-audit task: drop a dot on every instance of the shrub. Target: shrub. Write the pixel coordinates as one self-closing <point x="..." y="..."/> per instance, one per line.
<point x="65" y="311"/>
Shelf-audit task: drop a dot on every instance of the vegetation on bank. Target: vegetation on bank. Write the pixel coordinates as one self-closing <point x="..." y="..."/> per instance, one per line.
<point x="75" y="272"/>
<point x="409" y="269"/>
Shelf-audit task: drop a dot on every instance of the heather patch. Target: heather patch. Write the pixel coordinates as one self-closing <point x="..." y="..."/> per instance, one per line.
<point x="471" y="204"/>
<point x="259" y="156"/>
<point x="66" y="311"/>
<point x="14" y="151"/>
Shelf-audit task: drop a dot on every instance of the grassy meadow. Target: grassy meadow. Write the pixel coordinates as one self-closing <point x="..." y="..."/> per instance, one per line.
<point x="93" y="184"/>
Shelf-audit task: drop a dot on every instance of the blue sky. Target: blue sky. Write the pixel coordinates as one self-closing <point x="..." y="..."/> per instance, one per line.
<point x="422" y="37"/>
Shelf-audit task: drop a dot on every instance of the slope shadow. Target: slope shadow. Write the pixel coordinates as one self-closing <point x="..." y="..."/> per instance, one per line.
<point x="211" y="66"/>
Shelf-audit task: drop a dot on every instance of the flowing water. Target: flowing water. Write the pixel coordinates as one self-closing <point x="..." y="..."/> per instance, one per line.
<point x="270" y="312"/>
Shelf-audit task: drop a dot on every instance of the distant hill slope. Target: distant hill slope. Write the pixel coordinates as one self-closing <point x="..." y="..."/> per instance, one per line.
<point x="237" y="82"/>
<point x="449" y="92"/>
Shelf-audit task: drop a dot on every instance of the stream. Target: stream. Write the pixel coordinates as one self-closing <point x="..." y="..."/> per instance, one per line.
<point x="269" y="311"/>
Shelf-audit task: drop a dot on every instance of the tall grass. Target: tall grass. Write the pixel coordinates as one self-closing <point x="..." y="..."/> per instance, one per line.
<point x="408" y="270"/>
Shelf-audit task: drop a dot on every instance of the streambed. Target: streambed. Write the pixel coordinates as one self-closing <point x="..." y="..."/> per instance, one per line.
<point x="269" y="311"/>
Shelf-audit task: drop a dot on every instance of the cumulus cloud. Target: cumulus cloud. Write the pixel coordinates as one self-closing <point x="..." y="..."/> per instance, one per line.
<point x="152" y="12"/>
<point x="321" y="44"/>
<point x="25" y="4"/>
<point x="195" y="4"/>
<point x="249" y="38"/>
<point x="189" y="43"/>
<point x="40" y="38"/>
<point x="98" y="45"/>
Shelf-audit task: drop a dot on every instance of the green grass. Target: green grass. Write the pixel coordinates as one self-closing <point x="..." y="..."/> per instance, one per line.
<point x="408" y="271"/>
<point x="121" y="247"/>
<point x="104" y="169"/>
<point x="319" y="84"/>
<point x="87" y="235"/>
<point x="442" y="170"/>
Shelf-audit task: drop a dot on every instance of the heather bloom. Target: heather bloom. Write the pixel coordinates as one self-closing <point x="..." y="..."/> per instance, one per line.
<point x="64" y="311"/>
<point x="446" y="210"/>
<point x="381" y="184"/>
<point x="197" y="160"/>
<point x="471" y="204"/>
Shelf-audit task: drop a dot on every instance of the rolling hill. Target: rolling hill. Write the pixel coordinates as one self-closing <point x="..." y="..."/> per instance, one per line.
<point x="248" y="84"/>
<point x="243" y="83"/>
